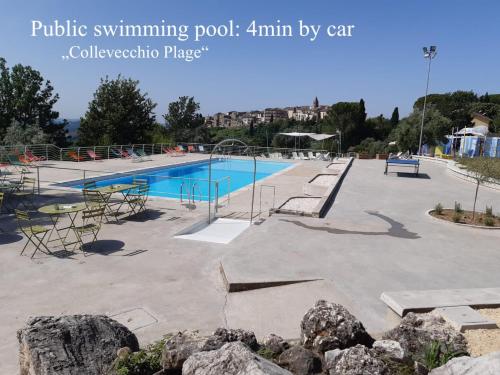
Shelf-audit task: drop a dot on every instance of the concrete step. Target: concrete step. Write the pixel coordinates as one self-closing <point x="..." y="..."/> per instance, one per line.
<point x="463" y="318"/>
<point x="403" y="302"/>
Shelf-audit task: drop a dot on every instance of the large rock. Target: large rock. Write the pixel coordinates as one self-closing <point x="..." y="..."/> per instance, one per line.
<point x="75" y="344"/>
<point x="486" y="365"/>
<point x="358" y="360"/>
<point x="418" y="331"/>
<point x="179" y="347"/>
<point x="233" y="358"/>
<point x="275" y="344"/>
<point x="389" y="348"/>
<point x="300" y="361"/>
<point x="329" y="326"/>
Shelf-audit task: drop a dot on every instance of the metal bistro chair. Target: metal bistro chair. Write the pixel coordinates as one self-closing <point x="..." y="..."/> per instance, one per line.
<point x="26" y="193"/>
<point x="92" y="221"/>
<point x="94" y="198"/>
<point x="138" y="198"/>
<point x="35" y="233"/>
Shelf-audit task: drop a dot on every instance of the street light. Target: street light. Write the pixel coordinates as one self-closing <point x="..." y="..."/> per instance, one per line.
<point x="429" y="53"/>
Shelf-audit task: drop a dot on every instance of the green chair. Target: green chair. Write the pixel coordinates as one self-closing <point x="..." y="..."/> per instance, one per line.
<point x="92" y="221"/>
<point x="94" y="198"/>
<point x="26" y="193"/>
<point x="34" y="233"/>
<point x="137" y="200"/>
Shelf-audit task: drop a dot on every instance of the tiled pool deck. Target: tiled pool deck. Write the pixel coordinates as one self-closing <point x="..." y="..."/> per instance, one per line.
<point x="376" y="238"/>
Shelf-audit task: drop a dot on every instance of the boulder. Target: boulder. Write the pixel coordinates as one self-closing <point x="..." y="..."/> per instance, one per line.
<point x="486" y="365"/>
<point x="390" y="348"/>
<point x="329" y="326"/>
<point x="75" y="344"/>
<point x="357" y="360"/>
<point x="222" y="336"/>
<point x="232" y="358"/>
<point x="179" y="347"/>
<point x="275" y="344"/>
<point x="300" y="361"/>
<point x="418" y="331"/>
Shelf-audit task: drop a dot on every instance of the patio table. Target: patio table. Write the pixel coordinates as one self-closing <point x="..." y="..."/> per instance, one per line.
<point x="55" y="212"/>
<point x="123" y="189"/>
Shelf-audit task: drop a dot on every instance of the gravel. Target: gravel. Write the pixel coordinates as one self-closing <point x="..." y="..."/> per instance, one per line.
<point x="484" y="341"/>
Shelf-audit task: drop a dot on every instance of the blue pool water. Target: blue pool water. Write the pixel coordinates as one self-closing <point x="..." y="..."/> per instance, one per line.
<point x="231" y="175"/>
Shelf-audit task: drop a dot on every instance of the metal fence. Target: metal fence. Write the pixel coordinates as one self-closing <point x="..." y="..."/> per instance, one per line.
<point x="84" y="153"/>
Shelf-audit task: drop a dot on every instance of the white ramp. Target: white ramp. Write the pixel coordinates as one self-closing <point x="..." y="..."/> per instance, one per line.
<point x="221" y="231"/>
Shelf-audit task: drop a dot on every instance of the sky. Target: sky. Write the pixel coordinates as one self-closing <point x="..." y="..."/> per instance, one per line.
<point x="382" y="62"/>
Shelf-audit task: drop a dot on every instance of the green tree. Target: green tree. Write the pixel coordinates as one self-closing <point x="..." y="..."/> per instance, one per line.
<point x="436" y="126"/>
<point x="119" y="113"/>
<point x="455" y="106"/>
<point x="27" y="99"/>
<point x="395" y="117"/>
<point x="348" y="118"/>
<point x="184" y="121"/>
<point x="482" y="170"/>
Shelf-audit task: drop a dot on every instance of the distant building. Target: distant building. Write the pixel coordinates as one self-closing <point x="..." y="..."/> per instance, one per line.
<point x="234" y="119"/>
<point x="478" y="119"/>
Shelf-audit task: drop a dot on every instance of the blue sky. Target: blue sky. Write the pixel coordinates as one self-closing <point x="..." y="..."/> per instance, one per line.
<point x="381" y="63"/>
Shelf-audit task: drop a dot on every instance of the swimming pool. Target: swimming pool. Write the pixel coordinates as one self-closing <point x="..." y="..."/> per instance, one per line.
<point x="229" y="174"/>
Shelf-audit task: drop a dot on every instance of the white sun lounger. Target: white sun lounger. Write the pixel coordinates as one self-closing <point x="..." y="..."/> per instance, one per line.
<point x="302" y="156"/>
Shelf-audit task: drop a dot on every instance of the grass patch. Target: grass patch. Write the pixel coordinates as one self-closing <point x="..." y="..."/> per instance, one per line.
<point x="144" y="362"/>
<point x="437" y="355"/>
<point x="438" y="209"/>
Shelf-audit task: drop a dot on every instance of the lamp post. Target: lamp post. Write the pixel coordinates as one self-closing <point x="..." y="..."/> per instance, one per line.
<point x="429" y="53"/>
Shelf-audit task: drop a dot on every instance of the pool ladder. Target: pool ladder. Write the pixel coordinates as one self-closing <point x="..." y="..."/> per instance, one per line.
<point x="191" y="194"/>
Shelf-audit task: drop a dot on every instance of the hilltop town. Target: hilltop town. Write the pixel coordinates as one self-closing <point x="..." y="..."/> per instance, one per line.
<point x="234" y="119"/>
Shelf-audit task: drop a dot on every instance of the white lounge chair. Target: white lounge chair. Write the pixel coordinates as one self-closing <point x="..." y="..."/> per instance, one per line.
<point x="326" y="157"/>
<point x="295" y="156"/>
<point x="279" y="155"/>
<point x="310" y="155"/>
<point x="302" y="156"/>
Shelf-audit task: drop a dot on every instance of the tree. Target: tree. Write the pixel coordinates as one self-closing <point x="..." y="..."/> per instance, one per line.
<point x="24" y="135"/>
<point x="119" y="113"/>
<point x="395" y="117"/>
<point x="27" y="99"/>
<point x="183" y="120"/>
<point x="455" y="106"/>
<point x="436" y="126"/>
<point x="349" y="118"/>
<point x="482" y="170"/>
<point x="251" y="129"/>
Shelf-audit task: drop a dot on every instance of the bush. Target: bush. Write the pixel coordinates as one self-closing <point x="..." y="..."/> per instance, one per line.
<point x="144" y="362"/>
<point x="438" y="209"/>
<point x="489" y="221"/>
<point x="457" y="217"/>
<point x="458" y="208"/>
<point x="489" y="212"/>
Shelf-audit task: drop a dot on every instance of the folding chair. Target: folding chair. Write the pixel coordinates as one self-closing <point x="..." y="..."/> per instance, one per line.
<point x="137" y="200"/>
<point x="92" y="221"/>
<point x="94" y="198"/>
<point x="26" y="193"/>
<point x="35" y="233"/>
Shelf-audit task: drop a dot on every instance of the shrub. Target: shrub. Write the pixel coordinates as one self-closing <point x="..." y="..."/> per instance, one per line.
<point x="437" y="355"/>
<point x="267" y="353"/>
<point x="489" y="221"/>
<point x="457" y="216"/>
<point x="438" y="209"/>
<point x="458" y="208"/>
<point x="144" y="362"/>
<point x="489" y="212"/>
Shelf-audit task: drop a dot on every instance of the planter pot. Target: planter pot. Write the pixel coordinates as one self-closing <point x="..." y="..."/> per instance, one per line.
<point x="382" y="156"/>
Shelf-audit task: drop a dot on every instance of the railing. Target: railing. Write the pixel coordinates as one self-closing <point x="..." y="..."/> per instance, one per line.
<point x="80" y="154"/>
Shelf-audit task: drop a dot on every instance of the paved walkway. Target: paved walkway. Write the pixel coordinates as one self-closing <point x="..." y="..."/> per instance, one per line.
<point x="376" y="238"/>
